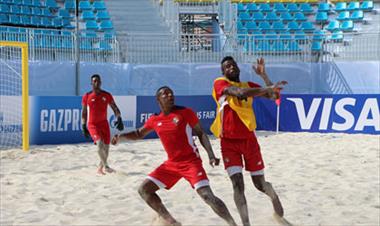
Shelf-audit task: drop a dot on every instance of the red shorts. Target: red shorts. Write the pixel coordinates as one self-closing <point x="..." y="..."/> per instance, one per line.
<point x="169" y="173"/>
<point x="100" y="131"/>
<point x="234" y="150"/>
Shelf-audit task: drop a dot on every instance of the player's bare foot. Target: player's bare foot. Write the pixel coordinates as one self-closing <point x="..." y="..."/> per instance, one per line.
<point x="109" y="169"/>
<point x="282" y="220"/>
<point x="100" y="171"/>
<point x="277" y="206"/>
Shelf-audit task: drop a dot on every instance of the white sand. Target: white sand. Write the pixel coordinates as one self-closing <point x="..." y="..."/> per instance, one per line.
<point x="322" y="179"/>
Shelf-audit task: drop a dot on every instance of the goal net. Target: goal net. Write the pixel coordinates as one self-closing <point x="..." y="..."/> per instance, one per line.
<point x="14" y="123"/>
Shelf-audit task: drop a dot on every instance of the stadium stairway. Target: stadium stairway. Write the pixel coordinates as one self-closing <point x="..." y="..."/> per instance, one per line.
<point x="136" y="21"/>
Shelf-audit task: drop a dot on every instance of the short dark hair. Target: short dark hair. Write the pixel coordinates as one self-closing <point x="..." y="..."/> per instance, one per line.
<point x="227" y="58"/>
<point x="95" y="76"/>
<point x="161" y="88"/>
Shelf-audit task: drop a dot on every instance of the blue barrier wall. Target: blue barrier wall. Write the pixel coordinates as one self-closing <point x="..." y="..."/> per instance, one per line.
<point x="58" y="78"/>
<point x="56" y="120"/>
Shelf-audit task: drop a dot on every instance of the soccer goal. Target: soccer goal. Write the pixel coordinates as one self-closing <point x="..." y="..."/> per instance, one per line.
<point x="14" y="95"/>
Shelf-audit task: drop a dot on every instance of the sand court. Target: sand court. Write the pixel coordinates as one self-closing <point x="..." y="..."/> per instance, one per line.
<point x="321" y="179"/>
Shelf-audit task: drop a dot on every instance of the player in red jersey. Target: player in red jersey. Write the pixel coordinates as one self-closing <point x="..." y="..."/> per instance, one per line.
<point x="95" y="103"/>
<point x="235" y="125"/>
<point x="174" y="127"/>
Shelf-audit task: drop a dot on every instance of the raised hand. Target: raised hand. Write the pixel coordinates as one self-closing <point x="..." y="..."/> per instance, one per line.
<point x="260" y="67"/>
<point x="119" y="124"/>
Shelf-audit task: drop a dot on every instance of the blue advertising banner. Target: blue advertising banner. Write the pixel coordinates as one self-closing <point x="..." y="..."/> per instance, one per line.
<point x="330" y="113"/>
<point x="57" y="120"/>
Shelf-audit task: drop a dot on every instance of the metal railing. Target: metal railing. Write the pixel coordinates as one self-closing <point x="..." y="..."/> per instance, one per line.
<point x="61" y="47"/>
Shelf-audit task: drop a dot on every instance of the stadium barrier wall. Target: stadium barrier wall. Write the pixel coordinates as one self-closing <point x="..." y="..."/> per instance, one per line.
<point x="58" y="78"/>
<point x="57" y="119"/>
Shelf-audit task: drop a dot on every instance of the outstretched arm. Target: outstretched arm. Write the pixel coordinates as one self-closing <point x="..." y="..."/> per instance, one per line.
<point x="243" y="93"/>
<point x="133" y="135"/>
<point x="203" y="138"/>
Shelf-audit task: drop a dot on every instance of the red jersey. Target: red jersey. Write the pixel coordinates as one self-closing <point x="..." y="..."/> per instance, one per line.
<point x="97" y="106"/>
<point x="175" y="132"/>
<point x="233" y="127"/>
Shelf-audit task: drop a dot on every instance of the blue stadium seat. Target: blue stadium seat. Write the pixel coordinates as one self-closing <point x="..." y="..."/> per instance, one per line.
<point x="26" y="20"/>
<point x="271" y="35"/>
<point x="109" y="34"/>
<point x="285" y="36"/>
<point x="26" y="10"/>
<point x="102" y="15"/>
<point x="257" y="35"/>
<point x="278" y="26"/>
<point x="245" y="16"/>
<point x="69" y="5"/>
<point x="64" y="13"/>
<point x="299" y="16"/>
<point x="272" y="16"/>
<point x="321" y="17"/>
<point x="292" y="7"/>
<point x="347" y="25"/>
<point x="323" y="7"/>
<point x="265" y="26"/>
<point x="307" y="26"/>
<point x="16" y="2"/>
<point x="15" y="9"/>
<point x="104" y="45"/>
<point x="340" y="6"/>
<point x="279" y="7"/>
<point x="258" y="16"/>
<point x="14" y="19"/>
<point x="67" y="24"/>
<point x="89" y="34"/>
<point x="333" y="25"/>
<point x="27" y="2"/>
<point x="353" y="6"/>
<point x="337" y="36"/>
<point x="36" y="3"/>
<point x="57" y="22"/>
<point x="46" y="12"/>
<point x="252" y="7"/>
<point x="106" y="25"/>
<point x="36" y="11"/>
<point x="344" y="15"/>
<point x="306" y="8"/>
<point x="357" y="15"/>
<point x="242" y="35"/>
<point x="263" y="46"/>
<point x="52" y="4"/>
<point x="4" y="8"/>
<point x="36" y="21"/>
<point x="251" y="26"/>
<point x="241" y="7"/>
<point x="99" y="5"/>
<point x="240" y="25"/>
<point x="46" y="22"/>
<point x="286" y="16"/>
<point x="366" y="6"/>
<point x="91" y="25"/>
<point x="265" y="7"/>
<point x="300" y="36"/>
<point x="4" y="19"/>
<point x="84" y="5"/>
<point x="294" y="47"/>
<point x="319" y="35"/>
<point x="88" y="15"/>
<point x="293" y="26"/>
<point x="316" y="46"/>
